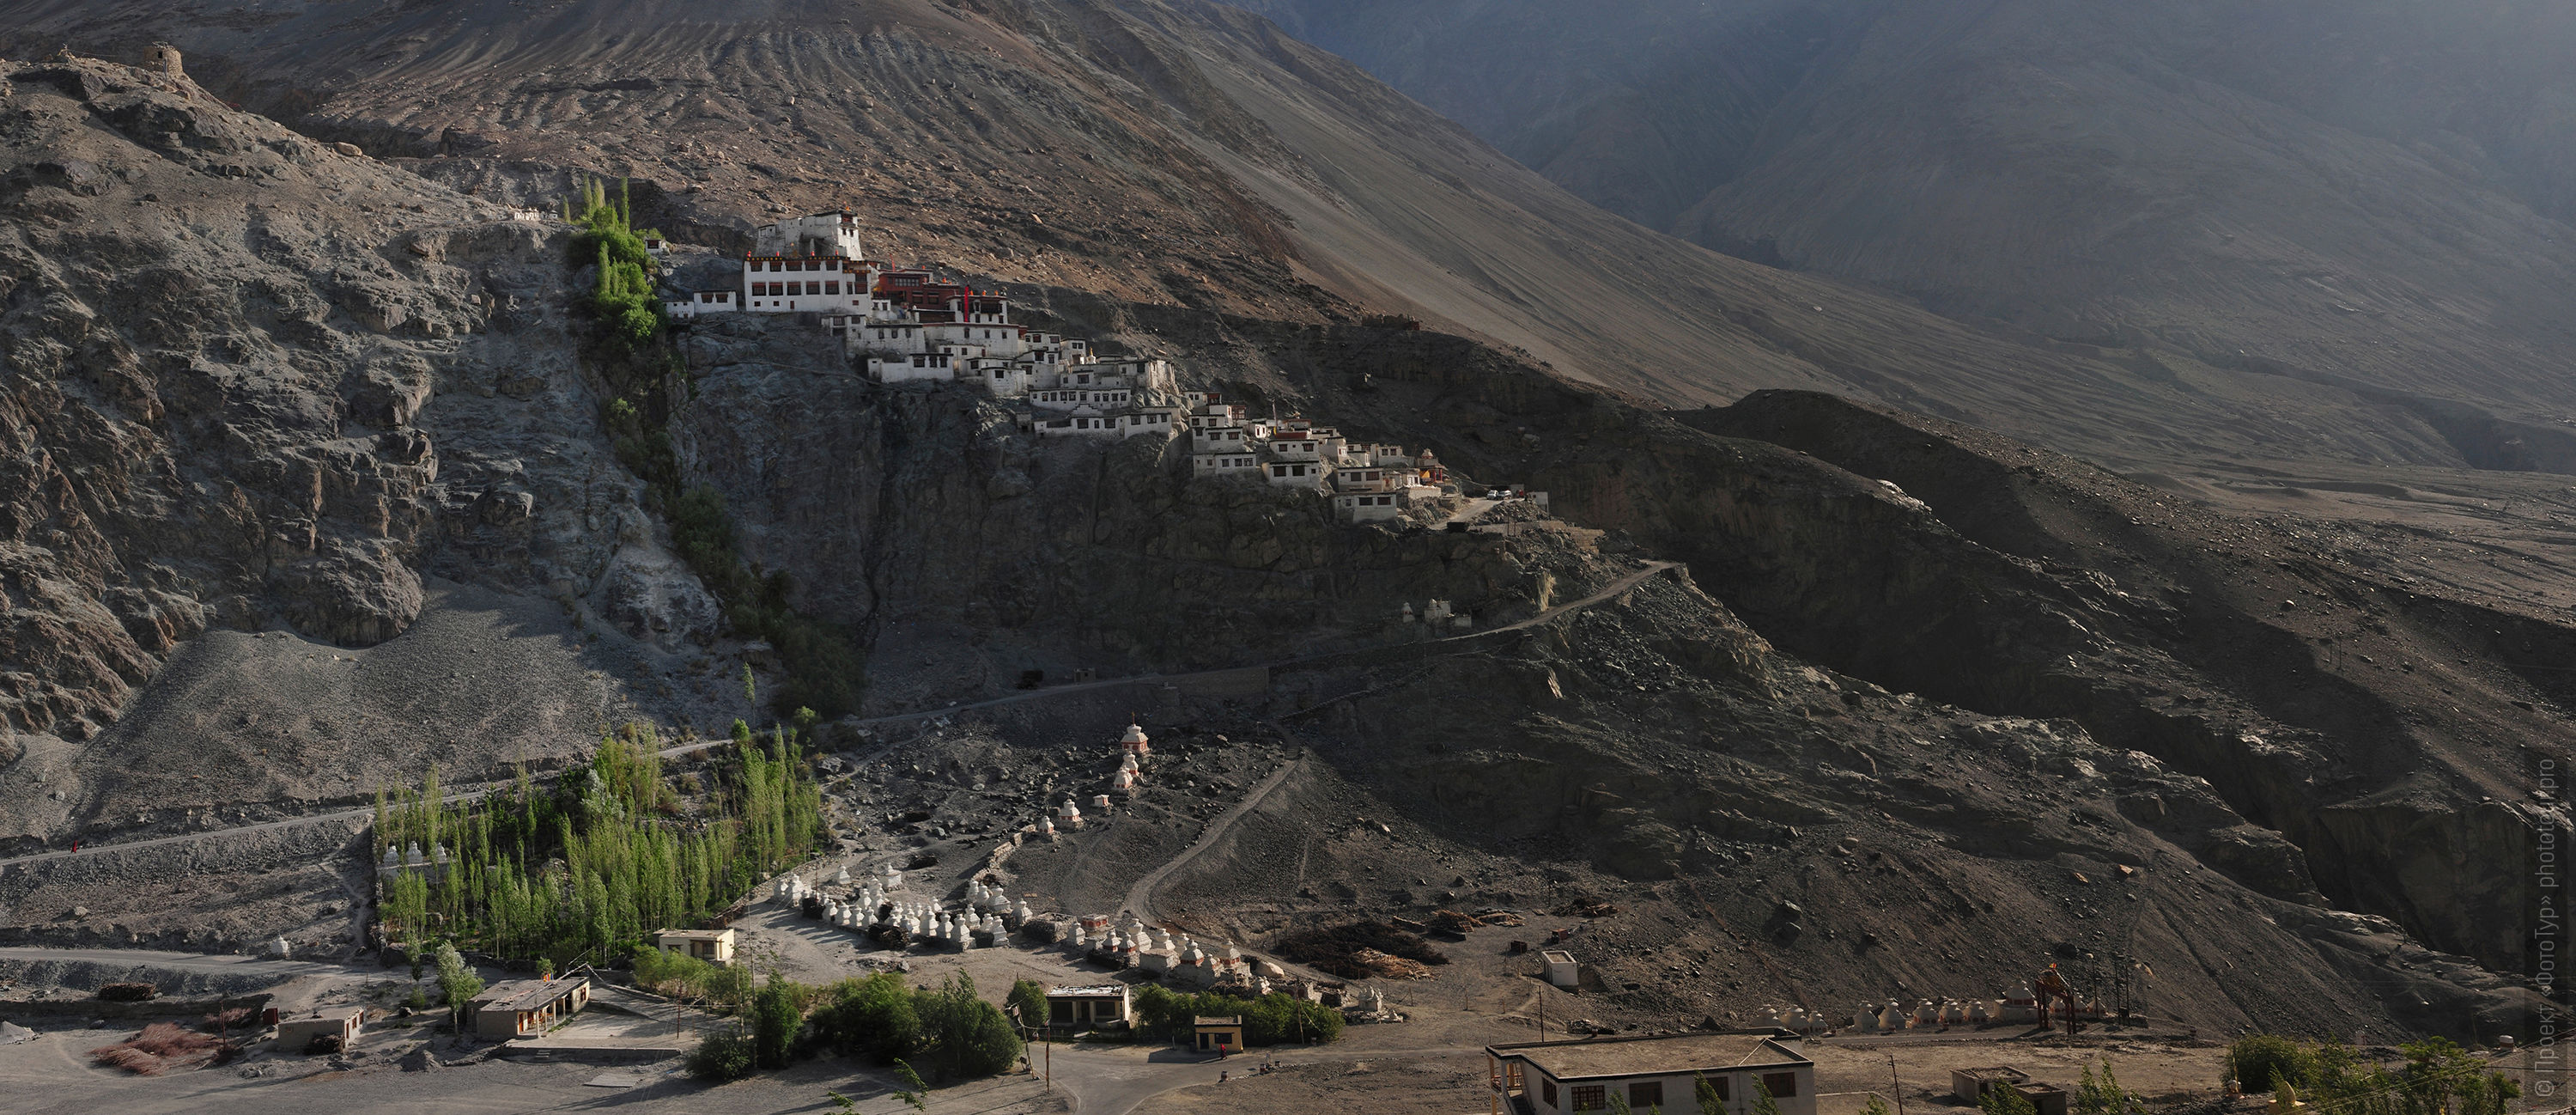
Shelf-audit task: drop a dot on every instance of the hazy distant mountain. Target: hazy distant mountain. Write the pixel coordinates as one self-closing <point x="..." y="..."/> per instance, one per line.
<point x="2371" y="192"/>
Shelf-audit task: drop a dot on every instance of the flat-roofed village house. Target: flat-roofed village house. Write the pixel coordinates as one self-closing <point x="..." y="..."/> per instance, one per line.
<point x="520" y="1008"/>
<point x="1662" y="1072"/>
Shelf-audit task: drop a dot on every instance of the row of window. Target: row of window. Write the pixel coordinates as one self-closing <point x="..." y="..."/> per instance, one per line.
<point x="1370" y="501"/>
<point x="773" y="290"/>
<point x="797" y="265"/>
<point x="1646" y="1094"/>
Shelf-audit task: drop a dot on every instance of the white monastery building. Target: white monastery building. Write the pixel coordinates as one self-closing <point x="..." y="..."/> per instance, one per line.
<point x="902" y="325"/>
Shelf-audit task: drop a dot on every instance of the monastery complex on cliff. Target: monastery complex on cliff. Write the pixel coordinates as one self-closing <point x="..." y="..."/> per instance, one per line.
<point x="900" y="325"/>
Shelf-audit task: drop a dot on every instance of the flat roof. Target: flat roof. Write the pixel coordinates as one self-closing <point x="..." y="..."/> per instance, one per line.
<point x="1229" y="1020"/>
<point x="1089" y="990"/>
<point x="695" y="934"/>
<point x="528" y="994"/>
<point x="1660" y="1055"/>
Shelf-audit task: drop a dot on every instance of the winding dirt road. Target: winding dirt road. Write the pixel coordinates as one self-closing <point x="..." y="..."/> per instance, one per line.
<point x="360" y="816"/>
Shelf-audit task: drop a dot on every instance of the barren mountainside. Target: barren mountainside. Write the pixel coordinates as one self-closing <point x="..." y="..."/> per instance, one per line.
<point x="2373" y="194"/>
<point x="312" y="485"/>
<point x="1193" y="154"/>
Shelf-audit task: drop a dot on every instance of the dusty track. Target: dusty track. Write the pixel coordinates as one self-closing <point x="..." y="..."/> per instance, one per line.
<point x="361" y="816"/>
<point x="1140" y="897"/>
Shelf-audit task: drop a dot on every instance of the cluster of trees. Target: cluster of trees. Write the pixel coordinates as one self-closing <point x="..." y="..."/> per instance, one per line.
<point x="628" y="314"/>
<point x="2438" y="1078"/>
<point x="947" y="1031"/>
<point x="1273" y="1019"/>
<point x="602" y="861"/>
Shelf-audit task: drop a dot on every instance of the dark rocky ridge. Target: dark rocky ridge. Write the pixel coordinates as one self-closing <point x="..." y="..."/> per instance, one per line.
<point x="2386" y="724"/>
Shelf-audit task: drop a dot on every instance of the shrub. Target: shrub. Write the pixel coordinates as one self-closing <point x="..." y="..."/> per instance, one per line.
<point x="721" y="1058"/>
<point x="1029" y="998"/>
<point x="963" y="1037"/>
<point x="1268" y="1020"/>
<point x="1995" y="1101"/>
<point x="457" y="980"/>
<point x="775" y="1017"/>
<point x="2261" y="1061"/>
<point x="127" y="992"/>
<point x="676" y="974"/>
<point x="1286" y="1019"/>
<point x="870" y="1017"/>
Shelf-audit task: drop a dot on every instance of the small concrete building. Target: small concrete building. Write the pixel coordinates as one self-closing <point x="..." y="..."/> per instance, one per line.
<point x="1225" y="1035"/>
<point x="1087" y="1007"/>
<point x="715" y="946"/>
<point x="1971" y="1085"/>
<point x="1662" y="1072"/>
<point x="1559" y="966"/>
<point x="346" y="1024"/>
<point x="519" y="1008"/>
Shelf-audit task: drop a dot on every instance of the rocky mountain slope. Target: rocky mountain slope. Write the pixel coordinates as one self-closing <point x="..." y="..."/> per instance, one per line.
<point x="256" y="383"/>
<point x="333" y="417"/>
<point x="1175" y="152"/>
<point x="2371" y="194"/>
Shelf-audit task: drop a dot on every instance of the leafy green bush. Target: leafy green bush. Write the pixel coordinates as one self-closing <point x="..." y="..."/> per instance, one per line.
<point x="2261" y="1061"/>
<point x="676" y="974"/>
<point x="1995" y="1101"/>
<point x="1029" y="998"/>
<point x="457" y="980"/>
<point x="870" y="1017"/>
<point x="721" y="1057"/>
<point x="1269" y="1020"/>
<point x="962" y="1036"/>
<point x="775" y="1017"/>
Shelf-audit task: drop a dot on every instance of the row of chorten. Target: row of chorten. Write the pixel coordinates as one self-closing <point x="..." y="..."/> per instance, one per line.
<point x="989" y="916"/>
<point x="2021" y="1006"/>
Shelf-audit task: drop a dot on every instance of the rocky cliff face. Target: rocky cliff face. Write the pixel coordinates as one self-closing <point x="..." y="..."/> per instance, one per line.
<point x="184" y="456"/>
<point x="967" y="550"/>
<point x="256" y="382"/>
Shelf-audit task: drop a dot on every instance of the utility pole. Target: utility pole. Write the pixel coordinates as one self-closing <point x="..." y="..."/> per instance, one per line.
<point x="1895" y="1087"/>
